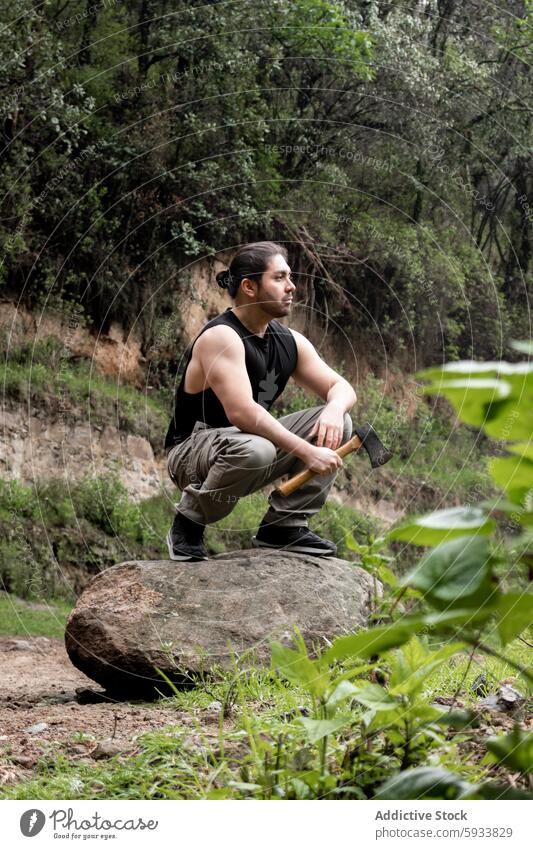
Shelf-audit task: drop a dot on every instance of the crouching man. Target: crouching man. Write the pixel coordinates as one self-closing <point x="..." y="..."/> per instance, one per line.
<point x="222" y="443"/>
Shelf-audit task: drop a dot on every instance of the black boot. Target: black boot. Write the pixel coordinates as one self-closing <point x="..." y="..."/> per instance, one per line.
<point x="293" y="539"/>
<point x="185" y="539"/>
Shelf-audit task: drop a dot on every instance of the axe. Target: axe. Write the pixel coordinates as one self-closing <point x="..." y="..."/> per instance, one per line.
<point x="365" y="437"/>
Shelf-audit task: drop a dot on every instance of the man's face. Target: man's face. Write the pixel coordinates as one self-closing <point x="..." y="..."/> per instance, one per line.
<point x="275" y="291"/>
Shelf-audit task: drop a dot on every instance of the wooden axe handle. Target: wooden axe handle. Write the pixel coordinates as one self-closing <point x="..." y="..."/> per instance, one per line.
<point x="293" y="483"/>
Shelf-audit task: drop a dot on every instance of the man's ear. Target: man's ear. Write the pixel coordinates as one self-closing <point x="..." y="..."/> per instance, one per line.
<point x="249" y="287"/>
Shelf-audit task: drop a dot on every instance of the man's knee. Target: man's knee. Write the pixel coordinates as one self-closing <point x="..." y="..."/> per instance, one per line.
<point x="260" y="454"/>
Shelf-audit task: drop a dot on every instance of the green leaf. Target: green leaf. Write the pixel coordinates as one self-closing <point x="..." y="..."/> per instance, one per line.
<point x="491" y="790"/>
<point x="376" y="697"/>
<point x="460" y="617"/>
<point x="419" y="712"/>
<point x="299" y="669"/>
<point x="455" y="574"/>
<point x="244" y="785"/>
<point x="514" y="474"/>
<point x="423" y="783"/>
<point x="497" y="396"/>
<point x="512" y="420"/>
<point x="344" y="690"/>
<point x="414" y="663"/>
<point x="523" y="347"/>
<point x="442" y="525"/>
<point x="514" y="750"/>
<point x="459" y="719"/>
<point x="462" y="369"/>
<point x="517" y="375"/>
<point x="524" y="449"/>
<point x="353" y="545"/>
<point x="386" y="576"/>
<point x="472" y="398"/>
<point x="503" y="505"/>
<point x="219" y="793"/>
<point x="377" y="720"/>
<point x="317" y="729"/>
<point x="514" y="614"/>
<point x="371" y="641"/>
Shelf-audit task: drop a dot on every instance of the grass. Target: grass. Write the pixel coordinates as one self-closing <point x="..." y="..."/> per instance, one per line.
<point x="19" y="618"/>
<point x="461" y="672"/>
<point x="236" y="757"/>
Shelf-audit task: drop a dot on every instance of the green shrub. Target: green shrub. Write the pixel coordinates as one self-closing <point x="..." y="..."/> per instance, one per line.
<point x="16" y="501"/>
<point x="335" y="521"/>
<point x="104" y="501"/>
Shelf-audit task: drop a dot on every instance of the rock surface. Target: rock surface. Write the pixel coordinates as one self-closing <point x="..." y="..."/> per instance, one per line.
<point x="182" y="617"/>
<point x="37" y="446"/>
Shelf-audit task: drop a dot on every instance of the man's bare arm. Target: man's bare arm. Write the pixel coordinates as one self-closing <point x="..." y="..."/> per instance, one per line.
<point x="221" y="354"/>
<point x="314" y="375"/>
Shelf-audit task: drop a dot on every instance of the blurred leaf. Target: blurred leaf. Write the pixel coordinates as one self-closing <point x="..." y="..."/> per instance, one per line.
<point x="515" y="614"/>
<point x="455" y="574"/>
<point x="461" y="617"/>
<point x="371" y="641"/>
<point x="459" y="718"/>
<point x="500" y="792"/>
<point x="497" y="396"/>
<point x="514" y="474"/>
<point x="243" y="785"/>
<point x="514" y="750"/>
<point x="414" y="663"/>
<point x="342" y="691"/>
<point x="376" y="697"/>
<point x="317" y="729"/>
<point x="442" y="525"/>
<point x="515" y="374"/>
<point x="299" y="669"/>
<point x="387" y="576"/>
<point x="423" y="783"/>
<point x="471" y="399"/>
<point x="512" y="420"/>
<point x="523" y="347"/>
<point x="503" y="505"/>
<point x="524" y="449"/>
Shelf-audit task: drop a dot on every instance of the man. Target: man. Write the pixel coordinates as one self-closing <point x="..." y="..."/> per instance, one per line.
<point x="222" y="442"/>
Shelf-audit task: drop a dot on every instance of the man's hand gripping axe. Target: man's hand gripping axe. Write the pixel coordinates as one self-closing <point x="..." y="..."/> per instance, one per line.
<point x="365" y="437"/>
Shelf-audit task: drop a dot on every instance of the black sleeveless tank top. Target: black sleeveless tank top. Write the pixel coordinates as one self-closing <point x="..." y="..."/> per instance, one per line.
<point x="270" y="361"/>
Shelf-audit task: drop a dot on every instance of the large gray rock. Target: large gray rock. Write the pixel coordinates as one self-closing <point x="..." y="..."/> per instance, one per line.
<point x="183" y="617"/>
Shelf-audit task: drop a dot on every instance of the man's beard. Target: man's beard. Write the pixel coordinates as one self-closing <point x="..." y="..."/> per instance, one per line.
<point x="275" y="309"/>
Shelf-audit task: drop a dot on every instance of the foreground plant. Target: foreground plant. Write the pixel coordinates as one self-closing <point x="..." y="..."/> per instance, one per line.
<point x="458" y="598"/>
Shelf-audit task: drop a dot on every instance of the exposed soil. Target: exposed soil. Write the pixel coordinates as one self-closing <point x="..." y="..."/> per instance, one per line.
<point x="40" y="685"/>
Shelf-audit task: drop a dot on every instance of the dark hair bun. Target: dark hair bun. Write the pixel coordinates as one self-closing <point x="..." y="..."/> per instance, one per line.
<point x="224" y="279"/>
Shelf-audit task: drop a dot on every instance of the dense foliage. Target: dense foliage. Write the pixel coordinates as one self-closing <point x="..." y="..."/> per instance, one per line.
<point x="386" y="143"/>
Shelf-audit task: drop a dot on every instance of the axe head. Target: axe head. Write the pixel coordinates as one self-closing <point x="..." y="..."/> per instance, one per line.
<point x="379" y="455"/>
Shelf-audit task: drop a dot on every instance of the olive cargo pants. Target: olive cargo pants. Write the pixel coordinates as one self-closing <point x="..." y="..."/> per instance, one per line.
<point x="214" y="467"/>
